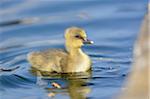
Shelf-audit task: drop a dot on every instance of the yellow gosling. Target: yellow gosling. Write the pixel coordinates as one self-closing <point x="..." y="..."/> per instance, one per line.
<point x="61" y="61"/>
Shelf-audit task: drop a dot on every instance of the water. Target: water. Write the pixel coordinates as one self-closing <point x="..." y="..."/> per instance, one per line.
<point x="29" y="25"/>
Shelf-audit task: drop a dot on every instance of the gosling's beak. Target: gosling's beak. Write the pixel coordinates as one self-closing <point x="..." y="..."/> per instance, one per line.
<point x="87" y="41"/>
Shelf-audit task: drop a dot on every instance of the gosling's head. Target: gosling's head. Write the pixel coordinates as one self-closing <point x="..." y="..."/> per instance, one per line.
<point x="76" y="37"/>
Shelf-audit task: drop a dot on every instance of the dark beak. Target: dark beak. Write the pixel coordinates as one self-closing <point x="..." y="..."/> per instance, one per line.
<point x="87" y="41"/>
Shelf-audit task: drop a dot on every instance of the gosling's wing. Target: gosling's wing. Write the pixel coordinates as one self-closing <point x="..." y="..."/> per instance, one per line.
<point x="49" y="60"/>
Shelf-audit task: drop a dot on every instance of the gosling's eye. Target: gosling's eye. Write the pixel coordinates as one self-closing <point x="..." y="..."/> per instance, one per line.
<point x="77" y="36"/>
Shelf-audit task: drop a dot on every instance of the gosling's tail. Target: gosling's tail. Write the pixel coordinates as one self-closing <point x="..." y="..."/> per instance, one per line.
<point x="35" y="59"/>
<point x="30" y="57"/>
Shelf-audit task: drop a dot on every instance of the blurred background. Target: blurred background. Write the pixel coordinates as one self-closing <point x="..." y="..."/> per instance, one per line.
<point x="31" y="25"/>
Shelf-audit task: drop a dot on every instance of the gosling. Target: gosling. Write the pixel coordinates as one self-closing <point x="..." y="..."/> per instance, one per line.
<point x="71" y="60"/>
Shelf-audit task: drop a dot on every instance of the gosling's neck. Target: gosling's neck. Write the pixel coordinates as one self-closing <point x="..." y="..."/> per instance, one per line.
<point x="74" y="51"/>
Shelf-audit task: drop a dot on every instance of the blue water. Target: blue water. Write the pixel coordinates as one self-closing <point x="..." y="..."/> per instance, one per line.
<point x="31" y="25"/>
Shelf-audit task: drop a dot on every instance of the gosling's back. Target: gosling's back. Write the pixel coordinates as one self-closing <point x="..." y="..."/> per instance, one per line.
<point x="52" y="60"/>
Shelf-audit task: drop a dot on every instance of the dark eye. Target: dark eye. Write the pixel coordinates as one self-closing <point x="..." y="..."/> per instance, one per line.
<point x="77" y="36"/>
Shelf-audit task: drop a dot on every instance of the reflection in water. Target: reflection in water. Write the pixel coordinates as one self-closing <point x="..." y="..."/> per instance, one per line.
<point x="77" y="90"/>
<point x="76" y="84"/>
